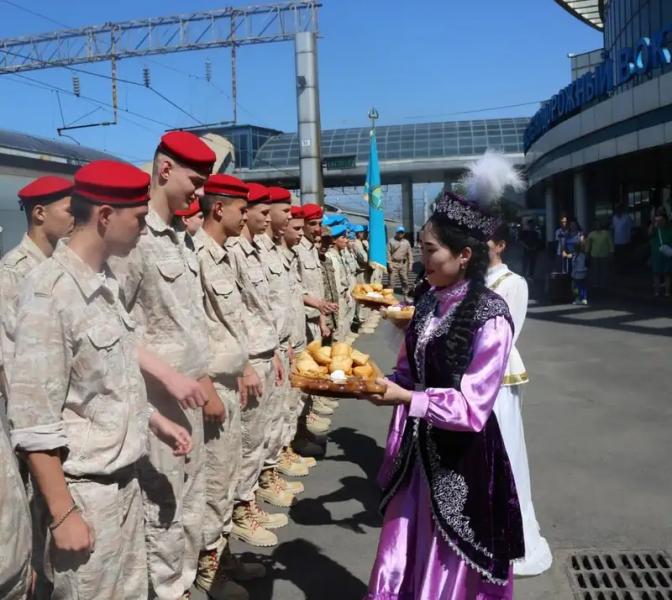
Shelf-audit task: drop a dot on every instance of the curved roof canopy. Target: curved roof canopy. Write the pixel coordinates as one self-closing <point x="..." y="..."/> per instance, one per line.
<point x="589" y="11"/>
<point x="403" y="142"/>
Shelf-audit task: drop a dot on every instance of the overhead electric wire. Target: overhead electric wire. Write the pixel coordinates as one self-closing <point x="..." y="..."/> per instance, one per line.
<point x="34" y="13"/>
<point x="51" y="87"/>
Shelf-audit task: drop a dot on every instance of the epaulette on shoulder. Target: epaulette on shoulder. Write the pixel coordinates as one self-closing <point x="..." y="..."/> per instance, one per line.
<point x="13" y="258"/>
<point x="45" y="280"/>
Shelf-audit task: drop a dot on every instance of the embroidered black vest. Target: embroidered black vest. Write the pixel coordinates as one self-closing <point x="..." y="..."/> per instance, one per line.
<point x="472" y="490"/>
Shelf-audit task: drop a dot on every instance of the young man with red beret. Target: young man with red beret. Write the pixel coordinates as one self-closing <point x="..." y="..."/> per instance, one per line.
<point x="161" y="284"/>
<point x="224" y="206"/>
<point x="272" y="488"/>
<point x="46" y="202"/>
<point x="78" y="408"/>
<point x="189" y="219"/>
<point x="250" y="522"/>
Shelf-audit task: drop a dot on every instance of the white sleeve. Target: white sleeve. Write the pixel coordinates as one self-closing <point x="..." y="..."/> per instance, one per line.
<point x="514" y="291"/>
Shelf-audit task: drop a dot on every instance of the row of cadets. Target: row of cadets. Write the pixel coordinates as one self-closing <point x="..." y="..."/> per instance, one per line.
<point x="160" y="280"/>
<point x="77" y="403"/>
<point x="291" y="463"/>
<point x="272" y="488"/>
<point x="251" y="523"/>
<point x="223" y="211"/>
<point x="319" y="316"/>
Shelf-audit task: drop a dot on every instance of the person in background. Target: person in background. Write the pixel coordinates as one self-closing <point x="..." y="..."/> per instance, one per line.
<point x="399" y="260"/>
<point x="580" y="273"/>
<point x="599" y="248"/>
<point x="530" y="241"/>
<point x="190" y="219"/>
<point x="509" y="404"/>
<point x="560" y="237"/>
<point x="660" y="234"/>
<point x="622" y="225"/>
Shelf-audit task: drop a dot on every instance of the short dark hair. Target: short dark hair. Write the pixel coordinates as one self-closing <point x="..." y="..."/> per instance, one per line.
<point x="81" y="209"/>
<point x="207" y="203"/>
<point x="501" y="234"/>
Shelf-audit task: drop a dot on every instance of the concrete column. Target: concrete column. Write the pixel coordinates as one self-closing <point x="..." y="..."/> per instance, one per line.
<point x="551" y="212"/>
<point x="308" y="110"/>
<point x="407" y="206"/>
<point x="581" y="205"/>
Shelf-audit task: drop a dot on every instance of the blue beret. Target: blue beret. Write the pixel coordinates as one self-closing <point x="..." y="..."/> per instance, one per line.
<point x="338" y="230"/>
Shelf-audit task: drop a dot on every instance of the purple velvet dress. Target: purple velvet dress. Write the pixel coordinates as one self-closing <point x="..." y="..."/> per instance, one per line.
<point x="414" y="562"/>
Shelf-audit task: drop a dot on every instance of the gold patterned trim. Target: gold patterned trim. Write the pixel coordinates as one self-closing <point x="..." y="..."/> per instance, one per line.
<point x="516" y="379"/>
<point x="499" y="280"/>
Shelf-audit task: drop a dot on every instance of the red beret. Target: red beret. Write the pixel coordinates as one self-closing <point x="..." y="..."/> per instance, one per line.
<point x="297" y="212"/>
<point x="46" y="189"/>
<point x="190" y="211"/>
<point x="279" y="194"/>
<point x="257" y="193"/>
<point x="113" y="183"/>
<point x="312" y="211"/>
<point x="226" y="185"/>
<point x="188" y="149"/>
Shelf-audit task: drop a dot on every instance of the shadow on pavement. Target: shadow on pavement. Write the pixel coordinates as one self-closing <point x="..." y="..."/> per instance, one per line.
<point x="302" y="563"/>
<point x="365" y="452"/>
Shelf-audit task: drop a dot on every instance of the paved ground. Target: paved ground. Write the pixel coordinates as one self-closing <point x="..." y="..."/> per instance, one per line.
<point x="598" y="417"/>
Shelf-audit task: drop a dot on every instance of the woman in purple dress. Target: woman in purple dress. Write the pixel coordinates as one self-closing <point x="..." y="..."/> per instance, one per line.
<point x="452" y="522"/>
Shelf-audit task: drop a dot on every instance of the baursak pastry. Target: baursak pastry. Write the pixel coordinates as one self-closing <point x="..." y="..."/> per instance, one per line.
<point x="364" y="371"/>
<point x="323" y="355"/>
<point x="359" y="358"/>
<point x="341" y="363"/>
<point x="340" y="349"/>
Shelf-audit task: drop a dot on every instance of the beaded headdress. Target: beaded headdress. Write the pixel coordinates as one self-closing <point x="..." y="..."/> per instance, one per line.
<point x="476" y="212"/>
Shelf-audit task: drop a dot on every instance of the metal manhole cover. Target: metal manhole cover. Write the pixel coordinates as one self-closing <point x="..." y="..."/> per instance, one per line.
<point x="617" y="575"/>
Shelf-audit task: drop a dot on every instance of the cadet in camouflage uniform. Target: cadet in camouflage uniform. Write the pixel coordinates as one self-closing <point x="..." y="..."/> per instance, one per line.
<point x="225" y="209"/>
<point x="161" y="285"/>
<point x="15" y="535"/>
<point x="363" y="274"/>
<point x="343" y="282"/>
<point x="46" y="202"/>
<point x="250" y="523"/>
<point x="78" y="408"/>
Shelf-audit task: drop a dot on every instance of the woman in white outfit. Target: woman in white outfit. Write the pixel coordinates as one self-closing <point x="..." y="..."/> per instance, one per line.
<point x="508" y="407"/>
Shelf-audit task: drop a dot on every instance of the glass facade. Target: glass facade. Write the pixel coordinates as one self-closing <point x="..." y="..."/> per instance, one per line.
<point x="403" y="142"/>
<point x="627" y="21"/>
<point x="247" y="140"/>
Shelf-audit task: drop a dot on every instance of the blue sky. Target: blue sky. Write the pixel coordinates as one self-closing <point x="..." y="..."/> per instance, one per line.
<point x="415" y="61"/>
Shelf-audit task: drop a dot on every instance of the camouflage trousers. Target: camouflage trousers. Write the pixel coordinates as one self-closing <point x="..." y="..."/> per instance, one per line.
<point x="399" y="271"/>
<point x="277" y="408"/>
<point x="223" y="458"/>
<point x="294" y="405"/>
<point x="15" y="538"/>
<point x="254" y="419"/>
<point x="173" y="490"/>
<point x="117" y="568"/>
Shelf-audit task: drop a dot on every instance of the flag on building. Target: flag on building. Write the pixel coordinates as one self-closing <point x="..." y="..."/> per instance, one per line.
<point x="373" y="194"/>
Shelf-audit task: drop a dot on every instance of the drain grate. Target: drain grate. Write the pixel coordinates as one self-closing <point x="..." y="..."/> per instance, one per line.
<point x="621" y="575"/>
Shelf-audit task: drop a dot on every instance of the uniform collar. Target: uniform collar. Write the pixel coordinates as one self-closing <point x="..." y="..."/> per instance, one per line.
<point x="31" y="248"/>
<point x="88" y="281"/>
<point x="265" y="241"/>
<point x="159" y="226"/>
<point x="214" y="249"/>
<point x="247" y="246"/>
<point x="306" y="243"/>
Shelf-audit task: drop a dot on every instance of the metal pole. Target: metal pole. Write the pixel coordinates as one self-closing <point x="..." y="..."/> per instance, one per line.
<point x="308" y="110"/>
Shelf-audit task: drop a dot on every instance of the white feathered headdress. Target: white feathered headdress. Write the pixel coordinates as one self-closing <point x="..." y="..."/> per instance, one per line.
<point x="484" y="185"/>
<point x="489" y="177"/>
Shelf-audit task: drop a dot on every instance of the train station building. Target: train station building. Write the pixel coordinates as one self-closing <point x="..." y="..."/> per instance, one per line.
<point x="606" y="137"/>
